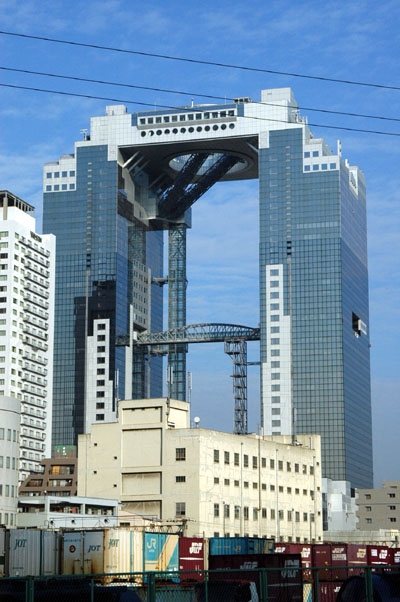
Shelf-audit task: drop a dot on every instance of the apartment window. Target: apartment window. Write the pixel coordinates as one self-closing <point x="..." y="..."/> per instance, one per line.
<point x="272" y="487"/>
<point x="246" y="461"/>
<point x="246" y="484"/>
<point x="100" y="394"/>
<point x="216" y="480"/>
<point x="296" y="468"/>
<point x="254" y="461"/>
<point x="246" y="512"/>
<point x="255" y="513"/>
<point x="368" y="508"/>
<point x="180" y="509"/>
<point x="392" y="495"/>
<point x="311" y="469"/>
<point x="101" y="349"/>
<point x="101" y="360"/>
<point x="280" y="488"/>
<point x="289" y="515"/>
<point x="216" y="510"/>
<point x="226" y="510"/>
<point x="305" y="517"/>
<point x="304" y="491"/>
<point x="263" y="486"/>
<point x="236" y="459"/>
<point x="392" y="519"/>
<point x="101" y="337"/>
<point x="1" y="433"/>
<point x="100" y="406"/>
<point x="255" y="485"/>
<point x="272" y="464"/>
<point x="280" y="465"/>
<point x="99" y="416"/>
<point x="263" y="513"/>
<point x="237" y="512"/>
<point x="369" y="520"/>
<point x="304" y="469"/>
<point x="280" y="514"/>
<point x="226" y="482"/>
<point x="180" y="454"/>
<point x="297" y="517"/>
<point x="272" y="514"/>
<point x="216" y="456"/>
<point x="101" y="326"/>
<point x="180" y="479"/>
<point x="264" y="462"/>
<point x="236" y="483"/>
<point x="288" y="467"/>
<point x="100" y="371"/>
<point x="100" y="383"/>
<point x="367" y="496"/>
<point x="392" y="507"/>
<point x="226" y="457"/>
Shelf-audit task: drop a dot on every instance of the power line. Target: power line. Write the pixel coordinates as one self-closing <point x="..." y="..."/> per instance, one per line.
<point x="148" y="104"/>
<point x="201" y="62"/>
<point x="183" y="93"/>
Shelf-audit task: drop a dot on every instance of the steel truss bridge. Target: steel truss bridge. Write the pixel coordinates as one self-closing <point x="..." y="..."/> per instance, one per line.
<point x="235" y="339"/>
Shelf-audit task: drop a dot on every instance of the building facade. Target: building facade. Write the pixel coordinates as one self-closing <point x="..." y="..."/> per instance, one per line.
<point x="55" y="476"/>
<point x="379" y="508"/>
<point x="10" y="421"/>
<point x="27" y="273"/>
<point x="219" y="483"/>
<point x="136" y="175"/>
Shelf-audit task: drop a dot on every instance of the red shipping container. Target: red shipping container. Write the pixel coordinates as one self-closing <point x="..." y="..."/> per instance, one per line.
<point x="325" y="591"/>
<point x="396" y="556"/>
<point x="339" y="559"/>
<point x="321" y="557"/>
<point x="284" y="584"/>
<point x="335" y="589"/>
<point x="305" y="551"/>
<point x="191" y="558"/>
<point x="357" y="558"/>
<point x="380" y="555"/>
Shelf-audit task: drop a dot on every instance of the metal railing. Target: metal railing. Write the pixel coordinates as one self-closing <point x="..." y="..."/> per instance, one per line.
<point x="289" y="583"/>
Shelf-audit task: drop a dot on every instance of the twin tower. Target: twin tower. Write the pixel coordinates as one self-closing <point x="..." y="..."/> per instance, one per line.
<point x="137" y="175"/>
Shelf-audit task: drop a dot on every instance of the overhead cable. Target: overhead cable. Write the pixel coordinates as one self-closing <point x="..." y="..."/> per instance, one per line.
<point x="148" y="104"/>
<point x="201" y="62"/>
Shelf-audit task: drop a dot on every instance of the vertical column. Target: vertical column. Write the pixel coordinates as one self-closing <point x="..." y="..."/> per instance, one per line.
<point x="177" y="306"/>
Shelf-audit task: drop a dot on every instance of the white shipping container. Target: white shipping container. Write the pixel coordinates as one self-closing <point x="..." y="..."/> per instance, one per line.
<point x="33" y="552"/>
<point x="122" y="551"/>
<point x="83" y="552"/>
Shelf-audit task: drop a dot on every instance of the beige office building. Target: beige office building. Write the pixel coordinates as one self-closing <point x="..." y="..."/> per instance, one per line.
<point x="379" y="508"/>
<point x="217" y="483"/>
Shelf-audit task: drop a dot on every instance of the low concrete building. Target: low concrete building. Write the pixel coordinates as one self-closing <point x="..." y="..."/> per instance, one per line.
<point x="379" y="508"/>
<point x="55" y="476"/>
<point x="49" y="512"/>
<point x="219" y="483"/>
<point x="9" y="459"/>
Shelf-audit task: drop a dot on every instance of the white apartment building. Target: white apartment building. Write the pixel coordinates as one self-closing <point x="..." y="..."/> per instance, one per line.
<point x="27" y="275"/>
<point x="215" y="482"/>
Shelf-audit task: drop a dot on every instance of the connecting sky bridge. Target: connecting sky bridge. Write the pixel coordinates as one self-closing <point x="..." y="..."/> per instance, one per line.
<point x="235" y="339"/>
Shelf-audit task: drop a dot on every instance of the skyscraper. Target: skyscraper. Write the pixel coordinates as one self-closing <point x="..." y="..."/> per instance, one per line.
<point x="137" y="175"/>
<point x="27" y="266"/>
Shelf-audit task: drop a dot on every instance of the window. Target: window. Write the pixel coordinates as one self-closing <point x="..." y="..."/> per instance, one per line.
<point x="305" y="517"/>
<point x="100" y="383"/>
<point x="392" y="495"/>
<point x="216" y="480"/>
<point x="315" y="154"/>
<point x="264" y="462"/>
<point x="311" y="469"/>
<point x="101" y="337"/>
<point x="101" y="349"/>
<point x="272" y="487"/>
<point x="307" y="154"/>
<point x="226" y="457"/>
<point x="272" y="513"/>
<point x="216" y="456"/>
<point x="101" y="360"/>
<point x="100" y="371"/>
<point x="180" y="479"/>
<point x="274" y="283"/>
<point x="304" y="469"/>
<point x="332" y="165"/>
<point x="236" y="459"/>
<point x="237" y="512"/>
<point x="392" y="519"/>
<point x="246" y="461"/>
<point x="246" y="513"/>
<point x="297" y="516"/>
<point x="226" y="482"/>
<point x="392" y="507"/>
<point x="236" y="483"/>
<point x="263" y="486"/>
<point x="272" y="464"/>
<point x="255" y="485"/>
<point x="216" y="510"/>
<point x="100" y="406"/>
<point x="255" y="462"/>
<point x="99" y="416"/>
<point x="180" y="454"/>
<point x="369" y="520"/>
<point x="368" y="508"/>
<point x="255" y="513"/>
<point x="180" y="509"/>
<point x="226" y="510"/>
<point x="280" y="465"/>
<point x="274" y="306"/>
<point x="274" y="295"/>
<point x="288" y="467"/>
<point x="100" y="394"/>
<point x="246" y="484"/>
<point x="296" y="468"/>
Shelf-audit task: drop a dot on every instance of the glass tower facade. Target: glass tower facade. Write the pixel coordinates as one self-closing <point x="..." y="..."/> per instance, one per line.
<point x="105" y="260"/>
<point x="314" y="301"/>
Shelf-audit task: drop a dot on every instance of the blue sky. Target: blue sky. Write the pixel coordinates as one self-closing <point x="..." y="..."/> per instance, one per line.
<point x="352" y="41"/>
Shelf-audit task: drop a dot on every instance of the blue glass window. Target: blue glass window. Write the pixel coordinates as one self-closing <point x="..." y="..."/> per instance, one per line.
<point x="56" y="187"/>
<point x="307" y="154"/>
<point x="315" y="153"/>
<point x="56" y="174"/>
<point x="307" y="168"/>
<point x="48" y="188"/>
<point x="333" y="166"/>
<point x="324" y="166"/>
<point x="64" y="174"/>
<point x="315" y="167"/>
<point x="71" y="186"/>
<point x="49" y="174"/>
<point x="63" y="187"/>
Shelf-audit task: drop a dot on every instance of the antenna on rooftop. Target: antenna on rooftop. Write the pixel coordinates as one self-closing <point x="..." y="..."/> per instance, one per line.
<point x="84" y="131"/>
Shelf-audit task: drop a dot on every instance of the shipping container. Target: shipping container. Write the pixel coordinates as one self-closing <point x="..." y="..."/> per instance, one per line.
<point x="380" y="555"/>
<point x="307" y="592"/>
<point x="396" y="556"/>
<point x="357" y="558"/>
<point x="2" y="551"/>
<point x="240" y="545"/>
<point x="160" y="552"/>
<point x="305" y="551"/>
<point x="32" y="552"/>
<point x="123" y="552"/>
<point x="83" y="552"/>
<point x="339" y="560"/>
<point x="321" y="557"/>
<point x="284" y="582"/>
<point x="191" y="558"/>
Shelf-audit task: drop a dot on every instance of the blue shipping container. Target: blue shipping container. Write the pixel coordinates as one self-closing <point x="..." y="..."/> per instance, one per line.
<point x="160" y="552"/>
<point x="240" y="545"/>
